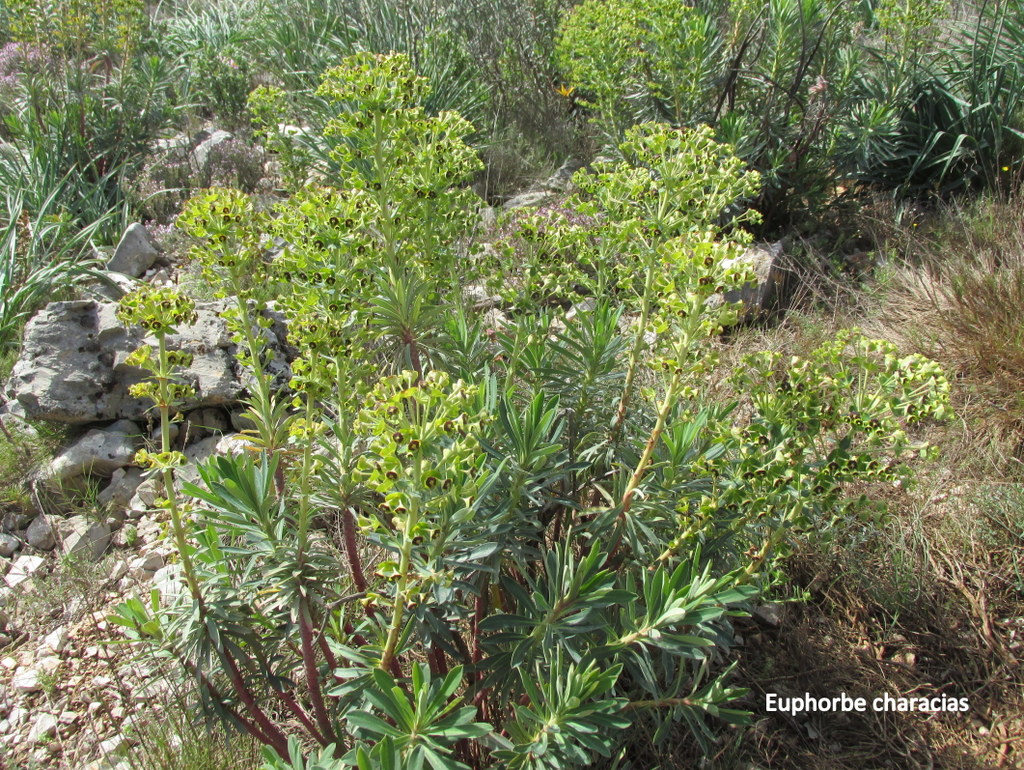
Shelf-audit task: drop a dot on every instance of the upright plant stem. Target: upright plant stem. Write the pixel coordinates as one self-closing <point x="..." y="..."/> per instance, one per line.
<point x="404" y="567"/>
<point x="312" y="676"/>
<point x="645" y="460"/>
<point x="177" y="525"/>
<point x="636" y="351"/>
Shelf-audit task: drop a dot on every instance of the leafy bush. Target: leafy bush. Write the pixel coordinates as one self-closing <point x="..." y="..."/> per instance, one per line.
<point x="41" y="254"/>
<point x="786" y="83"/>
<point x="166" y="180"/>
<point x="954" y="118"/>
<point x="79" y="28"/>
<point x="546" y="530"/>
<point x="79" y="126"/>
<point x="815" y="95"/>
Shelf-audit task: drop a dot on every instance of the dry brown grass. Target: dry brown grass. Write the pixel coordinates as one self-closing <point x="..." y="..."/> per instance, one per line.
<point x="956" y="294"/>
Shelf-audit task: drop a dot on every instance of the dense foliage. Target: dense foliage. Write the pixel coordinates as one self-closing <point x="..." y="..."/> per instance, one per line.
<point x="793" y="86"/>
<point x="508" y="501"/>
<point x="545" y="528"/>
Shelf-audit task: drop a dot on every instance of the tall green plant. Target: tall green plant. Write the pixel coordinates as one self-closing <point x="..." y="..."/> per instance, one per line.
<point x="773" y="80"/>
<point x="500" y="565"/>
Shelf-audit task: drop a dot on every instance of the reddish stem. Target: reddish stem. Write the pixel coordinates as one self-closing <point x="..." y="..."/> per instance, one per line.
<point x="480" y="611"/>
<point x="357" y="639"/>
<point x="289" y="700"/>
<point x="312" y="677"/>
<point x="438" y="662"/>
<point x="348" y="525"/>
<point x="250" y="728"/>
<point x="273" y="735"/>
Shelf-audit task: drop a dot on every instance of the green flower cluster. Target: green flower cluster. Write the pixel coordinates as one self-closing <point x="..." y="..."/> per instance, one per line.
<point x="228" y="234"/>
<point x="158" y="311"/>
<point x="422" y="449"/>
<point x="670" y="186"/>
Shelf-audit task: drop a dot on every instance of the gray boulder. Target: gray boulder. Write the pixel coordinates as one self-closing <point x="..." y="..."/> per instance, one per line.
<point x="72" y="366"/>
<point x="8" y="544"/>
<point x="81" y="535"/>
<point x="122" y="487"/>
<point x="135" y="253"/>
<point x="528" y="200"/>
<point x="562" y="178"/>
<point x="765" y="261"/>
<point x="40" y="533"/>
<point x="201" y="153"/>
<point x="98" y="452"/>
<point x="23" y="569"/>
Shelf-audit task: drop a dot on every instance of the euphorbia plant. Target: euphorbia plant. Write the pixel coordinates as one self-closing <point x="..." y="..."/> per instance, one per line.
<point x="159" y="312"/>
<point x="521" y="544"/>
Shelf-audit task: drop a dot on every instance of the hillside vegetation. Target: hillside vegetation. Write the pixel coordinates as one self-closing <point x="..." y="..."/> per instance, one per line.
<point x="587" y="472"/>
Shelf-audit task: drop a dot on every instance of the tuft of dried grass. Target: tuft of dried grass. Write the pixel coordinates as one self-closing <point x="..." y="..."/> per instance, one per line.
<point x="955" y="293"/>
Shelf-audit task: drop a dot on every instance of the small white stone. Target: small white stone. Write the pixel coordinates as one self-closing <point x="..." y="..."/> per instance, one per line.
<point x="23" y="569"/>
<point x="44" y="726"/>
<point x="113" y="745"/>
<point x="48" y="664"/>
<point x="26" y="680"/>
<point x="143" y="567"/>
<point x="118" y="570"/>
<point x="8" y="544"/>
<point x="55" y="641"/>
<point x="40" y="533"/>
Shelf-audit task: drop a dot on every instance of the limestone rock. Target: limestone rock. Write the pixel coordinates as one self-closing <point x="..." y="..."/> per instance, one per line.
<point x="98" y="452"/>
<point x="232" y="444"/>
<point x="80" y="535"/>
<point x="764" y="260"/>
<point x="145" y="497"/>
<point x="23" y="569"/>
<point x="201" y="153"/>
<point x="144" y="567"/>
<point x="122" y="487"/>
<point x="8" y="544"/>
<point x="562" y="178"/>
<point x="112" y="286"/>
<point x="72" y="366"/>
<point x="202" y="423"/>
<point x="528" y="200"/>
<point x="167" y="582"/>
<point x="40" y="533"/>
<point x="55" y="641"/>
<point x="26" y="680"/>
<point x="770" y="614"/>
<point x="43" y="727"/>
<point x="479" y="298"/>
<point x="176" y="145"/>
<point x="135" y="253"/>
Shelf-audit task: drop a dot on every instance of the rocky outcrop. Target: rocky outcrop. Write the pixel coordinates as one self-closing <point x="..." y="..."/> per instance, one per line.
<point x="98" y="452"/>
<point x="83" y="536"/>
<point x="759" y="295"/>
<point x="201" y="153"/>
<point x="558" y="182"/>
<point x="135" y="253"/>
<point x="72" y="366"/>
